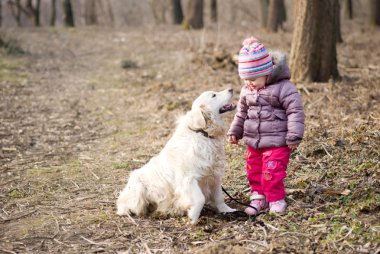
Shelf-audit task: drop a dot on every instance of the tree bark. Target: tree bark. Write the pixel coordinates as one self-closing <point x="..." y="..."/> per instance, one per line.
<point x="264" y="13"/>
<point x="53" y="13"/>
<point x="274" y="15"/>
<point x="34" y="11"/>
<point x="214" y="10"/>
<point x="68" y="13"/>
<point x="339" y="38"/>
<point x="1" y="16"/>
<point x="347" y="9"/>
<point x="194" y="14"/>
<point x="374" y="12"/>
<point x="90" y="17"/>
<point x="313" y="55"/>
<point x="177" y="12"/>
<point x="16" y="9"/>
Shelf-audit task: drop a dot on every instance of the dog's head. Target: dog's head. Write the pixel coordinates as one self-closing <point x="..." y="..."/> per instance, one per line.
<point x="207" y="109"/>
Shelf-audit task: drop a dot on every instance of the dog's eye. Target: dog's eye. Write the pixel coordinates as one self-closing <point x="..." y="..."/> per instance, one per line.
<point x="213" y="95"/>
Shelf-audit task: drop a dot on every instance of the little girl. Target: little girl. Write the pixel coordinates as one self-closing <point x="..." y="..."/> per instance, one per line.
<point x="270" y="120"/>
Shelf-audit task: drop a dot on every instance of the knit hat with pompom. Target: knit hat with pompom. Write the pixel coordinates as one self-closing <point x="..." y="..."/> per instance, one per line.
<point x="254" y="60"/>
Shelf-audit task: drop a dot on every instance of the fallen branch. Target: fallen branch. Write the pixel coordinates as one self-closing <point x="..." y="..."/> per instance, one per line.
<point x="19" y="216"/>
<point x="92" y="242"/>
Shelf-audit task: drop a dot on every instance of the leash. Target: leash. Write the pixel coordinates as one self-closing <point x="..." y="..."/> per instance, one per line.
<point x="240" y="213"/>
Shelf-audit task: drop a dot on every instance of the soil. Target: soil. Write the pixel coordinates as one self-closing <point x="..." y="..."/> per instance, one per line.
<point x="81" y="108"/>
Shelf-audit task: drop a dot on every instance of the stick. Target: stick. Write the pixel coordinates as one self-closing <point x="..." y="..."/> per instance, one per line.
<point x="92" y="242"/>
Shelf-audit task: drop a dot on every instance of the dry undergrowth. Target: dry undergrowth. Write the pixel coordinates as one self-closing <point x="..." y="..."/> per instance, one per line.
<point x="84" y="107"/>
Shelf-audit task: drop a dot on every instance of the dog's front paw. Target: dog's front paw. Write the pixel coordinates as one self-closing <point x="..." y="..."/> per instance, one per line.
<point x="193" y="215"/>
<point x="122" y="210"/>
<point x="225" y="209"/>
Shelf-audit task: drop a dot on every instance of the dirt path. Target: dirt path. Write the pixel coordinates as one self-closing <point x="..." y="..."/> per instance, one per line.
<point x="74" y="122"/>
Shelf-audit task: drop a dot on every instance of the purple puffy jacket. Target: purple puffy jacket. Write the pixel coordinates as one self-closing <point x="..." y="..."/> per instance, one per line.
<point x="272" y="116"/>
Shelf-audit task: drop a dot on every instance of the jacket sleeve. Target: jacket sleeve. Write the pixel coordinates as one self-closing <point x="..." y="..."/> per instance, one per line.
<point x="237" y="125"/>
<point x="291" y="101"/>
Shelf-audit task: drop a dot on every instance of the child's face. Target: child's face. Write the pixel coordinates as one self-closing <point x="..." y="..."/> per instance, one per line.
<point x="256" y="83"/>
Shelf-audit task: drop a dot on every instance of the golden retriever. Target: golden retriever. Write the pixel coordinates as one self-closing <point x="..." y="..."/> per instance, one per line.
<point x="187" y="173"/>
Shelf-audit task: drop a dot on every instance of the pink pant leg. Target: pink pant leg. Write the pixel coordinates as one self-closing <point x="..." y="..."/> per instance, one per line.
<point x="275" y="162"/>
<point x="253" y="169"/>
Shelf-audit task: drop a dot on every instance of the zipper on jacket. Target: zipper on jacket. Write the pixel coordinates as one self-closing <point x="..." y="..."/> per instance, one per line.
<point x="259" y="117"/>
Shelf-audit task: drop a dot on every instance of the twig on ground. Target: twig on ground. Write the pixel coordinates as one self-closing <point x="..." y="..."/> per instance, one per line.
<point x="92" y="242"/>
<point x="96" y="177"/>
<point x="324" y="148"/>
<point x="344" y="237"/>
<point x="270" y="226"/>
<point x="131" y="219"/>
<point x="8" y="251"/>
<point x="19" y="215"/>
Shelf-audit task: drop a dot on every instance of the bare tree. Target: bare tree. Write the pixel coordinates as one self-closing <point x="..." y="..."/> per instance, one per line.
<point x="276" y="15"/>
<point x="337" y="22"/>
<point x="90" y="17"/>
<point x="264" y="5"/>
<point x="110" y="12"/>
<point x="53" y="12"/>
<point x="177" y="12"/>
<point x="34" y="11"/>
<point x="375" y="12"/>
<point x="68" y="13"/>
<point x="16" y="10"/>
<point x="313" y="54"/>
<point x="1" y="12"/>
<point x="159" y="10"/>
<point x="194" y="14"/>
<point x="214" y="10"/>
<point x="347" y="9"/>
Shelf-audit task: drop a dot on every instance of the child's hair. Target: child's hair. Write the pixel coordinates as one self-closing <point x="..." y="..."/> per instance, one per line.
<point x="254" y="60"/>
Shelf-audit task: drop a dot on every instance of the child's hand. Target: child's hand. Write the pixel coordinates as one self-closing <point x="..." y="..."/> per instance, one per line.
<point x="232" y="139"/>
<point x="293" y="146"/>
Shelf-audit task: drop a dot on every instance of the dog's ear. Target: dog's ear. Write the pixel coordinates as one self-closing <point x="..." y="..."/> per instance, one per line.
<point x="199" y="118"/>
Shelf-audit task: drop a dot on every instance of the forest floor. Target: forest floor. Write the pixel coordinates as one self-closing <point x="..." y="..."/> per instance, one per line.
<point x="81" y="108"/>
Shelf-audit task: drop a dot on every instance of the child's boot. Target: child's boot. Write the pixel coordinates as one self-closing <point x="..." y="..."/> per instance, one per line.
<point x="277" y="206"/>
<point x="259" y="202"/>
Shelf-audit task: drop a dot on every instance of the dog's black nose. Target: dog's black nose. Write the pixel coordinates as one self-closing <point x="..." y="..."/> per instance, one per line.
<point x="231" y="90"/>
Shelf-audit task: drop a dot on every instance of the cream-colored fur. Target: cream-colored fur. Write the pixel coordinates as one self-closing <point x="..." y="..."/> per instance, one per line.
<point x="187" y="173"/>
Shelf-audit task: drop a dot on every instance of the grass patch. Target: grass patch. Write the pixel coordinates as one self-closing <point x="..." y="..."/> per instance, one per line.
<point x="10" y="45"/>
<point x="11" y="69"/>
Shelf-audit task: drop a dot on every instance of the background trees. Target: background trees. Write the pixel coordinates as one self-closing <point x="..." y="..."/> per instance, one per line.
<point x="313" y="52"/>
<point x="68" y="13"/>
<point x="375" y="12"/>
<point x="194" y="14"/>
<point x="315" y="24"/>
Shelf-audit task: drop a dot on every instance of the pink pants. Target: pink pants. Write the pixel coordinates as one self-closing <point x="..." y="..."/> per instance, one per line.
<point x="266" y="169"/>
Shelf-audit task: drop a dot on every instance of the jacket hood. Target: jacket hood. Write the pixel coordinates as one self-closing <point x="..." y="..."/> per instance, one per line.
<point x="280" y="67"/>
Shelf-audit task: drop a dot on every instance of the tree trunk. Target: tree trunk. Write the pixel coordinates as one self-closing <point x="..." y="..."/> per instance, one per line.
<point x="273" y="15"/>
<point x="347" y="9"/>
<point x="16" y="11"/>
<point x="339" y="38"/>
<point x="264" y="13"/>
<point x="177" y="11"/>
<point x="34" y="11"/>
<point x="282" y="13"/>
<point x="1" y="12"/>
<point x="214" y="10"/>
<point x="90" y="17"/>
<point x="53" y="13"/>
<point x="159" y="10"/>
<point x="68" y="13"/>
<point x="110" y="12"/>
<point x="374" y="12"/>
<point x="194" y="14"/>
<point x="313" y="53"/>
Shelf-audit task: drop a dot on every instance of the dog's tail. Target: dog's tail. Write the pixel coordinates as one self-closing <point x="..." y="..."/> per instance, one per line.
<point x="132" y="199"/>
